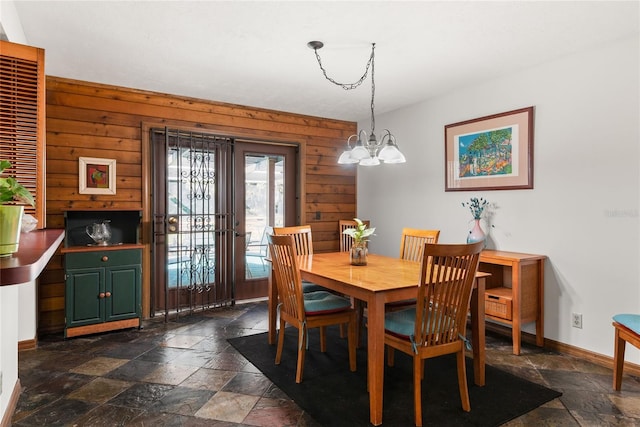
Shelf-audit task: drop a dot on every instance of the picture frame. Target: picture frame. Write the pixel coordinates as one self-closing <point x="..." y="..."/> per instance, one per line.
<point x="490" y="153"/>
<point x="97" y="176"/>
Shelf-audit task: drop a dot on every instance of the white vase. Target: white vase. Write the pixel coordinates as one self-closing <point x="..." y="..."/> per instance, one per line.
<point x="476" y="234"/>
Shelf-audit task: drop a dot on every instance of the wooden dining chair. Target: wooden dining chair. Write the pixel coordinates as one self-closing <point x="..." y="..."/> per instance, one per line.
<point x="345" y="240"/>
<point x="303" y="240"/>
<point x="436" y="325"/>
<point x="413" y="240"/>
<point x="627" y="330"/>
<point x="309" y="310"/>
<point x="411" y="248"/>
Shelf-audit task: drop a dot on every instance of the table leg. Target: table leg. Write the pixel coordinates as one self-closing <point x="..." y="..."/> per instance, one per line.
<point x="272" y="307"/>
<point x="478" y="331"/>
<point x="375" y="354"/>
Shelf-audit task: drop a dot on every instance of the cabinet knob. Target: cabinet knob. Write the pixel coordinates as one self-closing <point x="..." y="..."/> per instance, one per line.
<point x="101" y="295"/>
<point x="173" y="228"/>
<point x="105" y="258"/>
<point x="173" y="220"/>
<point x="108" y="294"/>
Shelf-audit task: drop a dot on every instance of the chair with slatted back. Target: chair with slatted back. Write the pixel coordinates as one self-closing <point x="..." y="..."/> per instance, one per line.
<point x="627" y="330"/>
<point x="303" y="240"/>
<point x="413" y="240"/>
<point x="436" y="325"/>
<point x="345" y="240"/>
<point x="411" y="247"/>
<point x="306" y="310"/>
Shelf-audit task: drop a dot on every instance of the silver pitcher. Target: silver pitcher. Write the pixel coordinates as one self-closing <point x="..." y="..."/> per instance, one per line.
<point x="100" y="232"/>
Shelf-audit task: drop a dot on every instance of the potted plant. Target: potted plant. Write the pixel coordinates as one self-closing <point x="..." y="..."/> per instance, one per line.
<point x="360" y="235"/>
<point x="12" y="193"/>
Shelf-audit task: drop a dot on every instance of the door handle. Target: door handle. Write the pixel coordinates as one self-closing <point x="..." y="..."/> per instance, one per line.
<point x="172" y="220"/>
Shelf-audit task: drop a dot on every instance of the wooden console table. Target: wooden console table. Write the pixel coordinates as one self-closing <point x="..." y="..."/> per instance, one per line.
<point x="515" y="291"/>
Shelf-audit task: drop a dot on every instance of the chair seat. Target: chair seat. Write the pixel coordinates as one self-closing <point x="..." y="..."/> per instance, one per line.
<point x="311" y="287"/>
<point x="630" y="321"/>
<point x="401" y="323"/>
<point x="323" y="302"/>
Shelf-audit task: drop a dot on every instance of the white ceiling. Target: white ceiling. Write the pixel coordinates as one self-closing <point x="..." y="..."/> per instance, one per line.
<point x="256" y="54"/>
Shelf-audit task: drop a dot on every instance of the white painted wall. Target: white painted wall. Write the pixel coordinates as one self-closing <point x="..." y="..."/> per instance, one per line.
<point x="10" y="25"/>
<point x="8" y="344"/>
<point x="583" y="210"/>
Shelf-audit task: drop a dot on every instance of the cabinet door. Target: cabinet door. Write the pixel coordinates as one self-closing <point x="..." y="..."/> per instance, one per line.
<point x="123" y="284"/>
<point x="82" y="298"/>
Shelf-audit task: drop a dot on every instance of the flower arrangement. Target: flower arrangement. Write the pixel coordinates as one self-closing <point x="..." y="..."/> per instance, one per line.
<point x="11" y="190"/>
<point x="360" y="233"/>
<point x="476" y="206"/>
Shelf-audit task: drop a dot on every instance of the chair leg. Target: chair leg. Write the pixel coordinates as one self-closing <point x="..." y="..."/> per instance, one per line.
<point x="358" y="305"/>
<point x="462" y="381"/>
<point x="352" y="342"/>
<point x="618" y="360"/>
<point x="417" y="390"/>
<point x="302" y="345"/>
<point x="280" y="342"/>
<point x="323" y="339"/>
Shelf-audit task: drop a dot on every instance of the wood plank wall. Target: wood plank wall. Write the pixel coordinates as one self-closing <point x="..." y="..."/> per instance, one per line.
<point x="94" y="120"/>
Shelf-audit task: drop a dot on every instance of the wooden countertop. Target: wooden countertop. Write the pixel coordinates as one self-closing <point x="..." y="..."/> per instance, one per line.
<point x="35" y="250"/>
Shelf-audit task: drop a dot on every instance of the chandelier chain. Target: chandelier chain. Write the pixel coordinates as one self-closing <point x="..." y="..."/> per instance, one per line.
<point x="347" y="86"/>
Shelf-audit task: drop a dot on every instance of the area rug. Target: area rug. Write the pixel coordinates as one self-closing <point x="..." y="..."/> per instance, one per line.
<point x="334" y="396"/>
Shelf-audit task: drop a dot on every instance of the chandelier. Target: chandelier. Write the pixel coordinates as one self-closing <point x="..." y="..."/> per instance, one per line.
<point x="366" y="151"/>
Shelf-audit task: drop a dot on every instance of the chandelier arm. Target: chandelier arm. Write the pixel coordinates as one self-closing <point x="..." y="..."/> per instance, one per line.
<point x="346" y="86"/>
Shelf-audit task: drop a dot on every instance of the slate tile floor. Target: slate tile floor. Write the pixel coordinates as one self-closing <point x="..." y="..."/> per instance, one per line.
<point x="185" y="373"/>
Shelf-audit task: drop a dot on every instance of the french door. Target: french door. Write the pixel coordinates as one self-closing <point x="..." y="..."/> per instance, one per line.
<point x="214" y="200"/>
<point x="266" y="194"/>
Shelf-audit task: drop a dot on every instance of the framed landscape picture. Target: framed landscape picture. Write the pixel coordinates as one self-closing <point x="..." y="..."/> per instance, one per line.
<point x="97" y="176"/>
<point x="490" y="153"/>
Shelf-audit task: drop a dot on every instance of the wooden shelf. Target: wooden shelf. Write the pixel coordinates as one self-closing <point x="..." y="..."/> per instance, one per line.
<point x="514" y="294"/>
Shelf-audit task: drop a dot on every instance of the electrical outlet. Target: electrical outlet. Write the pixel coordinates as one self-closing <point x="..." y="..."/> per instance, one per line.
<point x="576" y="320"/>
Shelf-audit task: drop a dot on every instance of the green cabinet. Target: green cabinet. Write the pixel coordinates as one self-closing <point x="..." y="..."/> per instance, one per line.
<point x="102" y="290"/>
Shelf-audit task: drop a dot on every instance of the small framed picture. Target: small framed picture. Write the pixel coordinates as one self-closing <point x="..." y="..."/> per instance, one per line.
<point x="490" y="153"/>
<point x="97" y="176"/>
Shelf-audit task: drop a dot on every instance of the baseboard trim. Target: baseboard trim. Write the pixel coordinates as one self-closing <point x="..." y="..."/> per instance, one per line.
<point x="598" y="359"/>
<point x="28" y="344"/>
<point x="13" y="403"/>
<point x="102" y="327"/>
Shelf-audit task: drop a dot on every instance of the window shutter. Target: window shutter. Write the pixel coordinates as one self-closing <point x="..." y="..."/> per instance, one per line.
<point x="22" y="119"/>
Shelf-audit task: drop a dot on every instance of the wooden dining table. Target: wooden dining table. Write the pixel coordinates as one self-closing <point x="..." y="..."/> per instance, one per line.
<point x="383" y="280"/>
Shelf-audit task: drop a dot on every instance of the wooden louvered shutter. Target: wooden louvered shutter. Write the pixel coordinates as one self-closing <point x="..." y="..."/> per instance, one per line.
<point x="22" y="119"/>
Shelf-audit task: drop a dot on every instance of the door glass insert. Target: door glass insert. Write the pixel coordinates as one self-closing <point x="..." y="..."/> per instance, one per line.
<point x="264" y="208"/>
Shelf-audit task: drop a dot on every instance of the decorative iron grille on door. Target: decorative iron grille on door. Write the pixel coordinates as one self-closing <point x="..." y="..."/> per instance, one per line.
<point x="193" y="221"/>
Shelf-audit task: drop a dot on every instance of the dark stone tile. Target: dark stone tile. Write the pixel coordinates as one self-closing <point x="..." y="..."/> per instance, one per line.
<point x="108" y="416"/>
<point x="584" y="401"/>
<point x="62" y="384"/>
<point x="182" y="400"/>
<point x="227" y="362"/>
<point x="141" y="396"/>
<point x="127" y="351"/>
<point x="274" y="412"/>
<point x="59" y="413"/>
<point x="248" y="383"/>
<point x="193" y="358"/>
<point x="134" y="370"/>
<point x="161" y="354"/>
<point x="544" y="416"/>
